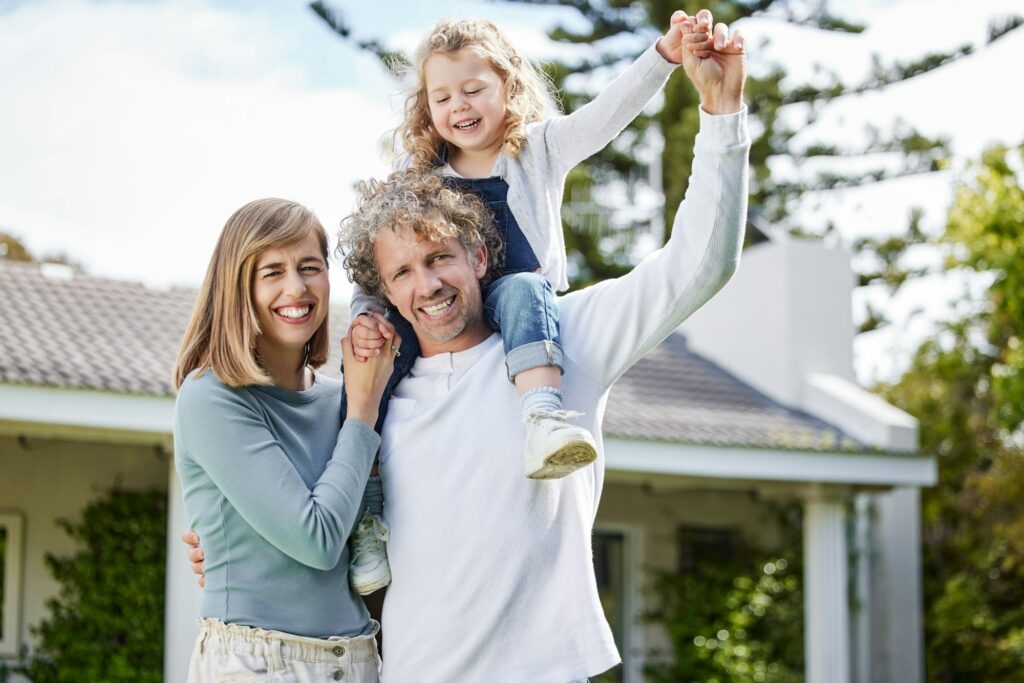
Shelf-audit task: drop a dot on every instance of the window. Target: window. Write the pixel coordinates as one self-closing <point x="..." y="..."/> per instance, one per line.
<point x="705" y="544"/>
<point x="616" y="567"/>
<point x="10" y="582"/>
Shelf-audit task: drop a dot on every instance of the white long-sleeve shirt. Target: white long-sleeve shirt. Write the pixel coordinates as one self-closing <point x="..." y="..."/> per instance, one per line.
<point x="493" y="576"/>
<point x="536" y="178"/>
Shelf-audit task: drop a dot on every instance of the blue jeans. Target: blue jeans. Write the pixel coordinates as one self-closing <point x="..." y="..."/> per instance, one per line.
<point x="522" y="307"/>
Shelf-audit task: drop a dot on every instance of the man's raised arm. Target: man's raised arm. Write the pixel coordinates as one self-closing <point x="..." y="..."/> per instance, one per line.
<point x="609" y="326"/>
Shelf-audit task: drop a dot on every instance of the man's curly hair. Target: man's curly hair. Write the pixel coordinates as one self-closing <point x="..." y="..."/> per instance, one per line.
<point x="426" y="204"/>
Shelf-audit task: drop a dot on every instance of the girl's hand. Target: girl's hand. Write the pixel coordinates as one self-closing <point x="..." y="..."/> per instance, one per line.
<point x="369" y="332"/>
<point x="717" y="66"/>
<point x="365" y="382"/>
<point x="671" y="46"/>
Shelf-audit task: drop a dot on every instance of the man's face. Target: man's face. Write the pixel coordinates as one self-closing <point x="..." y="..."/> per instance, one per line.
<point x="436" y="287"/>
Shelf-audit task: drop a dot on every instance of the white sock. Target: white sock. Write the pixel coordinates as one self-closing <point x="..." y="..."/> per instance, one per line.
<point x="541" y="400"/>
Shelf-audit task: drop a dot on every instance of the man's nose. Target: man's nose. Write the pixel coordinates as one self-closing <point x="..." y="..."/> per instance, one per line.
<point x="427" y="284"/>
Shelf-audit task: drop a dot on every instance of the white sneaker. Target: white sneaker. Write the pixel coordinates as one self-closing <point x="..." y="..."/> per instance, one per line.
<point x="555" y="448"/>
<point x="368" y="568"/>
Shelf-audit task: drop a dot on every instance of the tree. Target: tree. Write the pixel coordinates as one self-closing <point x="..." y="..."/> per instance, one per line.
<point x="12" y="249"/>
<point x="966" y="387"/>
<point x="603" y="242"/>
<point x="106" y="623"/>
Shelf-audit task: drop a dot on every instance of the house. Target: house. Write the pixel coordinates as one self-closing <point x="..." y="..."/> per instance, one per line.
<point x="752" y="402"/>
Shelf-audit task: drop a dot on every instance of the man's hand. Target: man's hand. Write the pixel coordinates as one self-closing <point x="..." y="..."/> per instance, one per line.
<point x="195" y="555"/>
<point x="368" y="333"/>
<point x="714" y="61"/>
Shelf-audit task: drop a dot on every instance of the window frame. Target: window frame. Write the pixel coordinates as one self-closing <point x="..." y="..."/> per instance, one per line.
<point x="10" y="635"/>
<point x="633" y="650"/>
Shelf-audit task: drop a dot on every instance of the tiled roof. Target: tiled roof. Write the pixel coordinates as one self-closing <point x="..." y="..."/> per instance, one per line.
<point x="672" y="394"/>
<point x="83" y="332"/>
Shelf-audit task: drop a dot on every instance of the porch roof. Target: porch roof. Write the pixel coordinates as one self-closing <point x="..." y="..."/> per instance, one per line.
<point x="64" y="329"/>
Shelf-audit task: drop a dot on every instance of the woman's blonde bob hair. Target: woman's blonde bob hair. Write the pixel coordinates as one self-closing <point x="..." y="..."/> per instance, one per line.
<point x="222" y="332"/>
<point x="528" y="91"/>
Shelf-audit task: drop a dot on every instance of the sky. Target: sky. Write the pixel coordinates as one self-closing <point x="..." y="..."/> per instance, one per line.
<point x="130" y="130"/>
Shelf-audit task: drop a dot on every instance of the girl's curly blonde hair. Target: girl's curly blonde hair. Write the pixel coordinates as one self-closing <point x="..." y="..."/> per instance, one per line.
<point x="423" y="203"/>
<point x="529" y="93"/>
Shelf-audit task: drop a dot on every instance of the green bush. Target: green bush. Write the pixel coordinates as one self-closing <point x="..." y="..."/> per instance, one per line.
<point x="736" y="618"/>
<point x="106" y="623"/>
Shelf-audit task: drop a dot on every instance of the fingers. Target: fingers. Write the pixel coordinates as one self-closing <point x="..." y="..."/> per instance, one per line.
<point x="202" y="582"/>
<point x="704" y="20"/>
<point x="196" y="555"/>
<point x="190" y="538"/>
<point x="735" y="45"/>
<point x="678" y="17"/>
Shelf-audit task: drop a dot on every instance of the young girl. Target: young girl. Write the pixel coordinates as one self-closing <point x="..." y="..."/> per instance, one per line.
<point x="271" y="477"/>
<point x="481" y="115"/>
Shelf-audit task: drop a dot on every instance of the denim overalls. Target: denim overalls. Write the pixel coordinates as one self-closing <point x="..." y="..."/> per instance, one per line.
<point x="520" y="304"/>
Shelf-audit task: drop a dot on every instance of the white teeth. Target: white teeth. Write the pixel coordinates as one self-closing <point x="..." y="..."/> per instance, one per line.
<point x="294" y="311"/>
<point x="467" y="124"/>
<point x="439" y="308"/>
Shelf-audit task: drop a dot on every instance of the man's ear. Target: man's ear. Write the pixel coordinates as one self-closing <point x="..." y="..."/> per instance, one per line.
<point x="480" y="260"/>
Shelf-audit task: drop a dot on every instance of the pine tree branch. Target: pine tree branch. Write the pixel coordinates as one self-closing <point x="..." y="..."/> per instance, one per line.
<point x="392" y="60"/>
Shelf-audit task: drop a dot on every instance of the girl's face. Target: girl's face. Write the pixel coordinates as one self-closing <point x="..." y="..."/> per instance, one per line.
<point x="467" y="101"/>
<point x="290" y="292"/>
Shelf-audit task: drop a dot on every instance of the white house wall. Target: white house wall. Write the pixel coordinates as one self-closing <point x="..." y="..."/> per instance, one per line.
<point x="45" y="480"/>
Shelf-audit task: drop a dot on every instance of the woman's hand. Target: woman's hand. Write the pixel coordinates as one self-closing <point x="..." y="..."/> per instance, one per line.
<point x="365" y="381"/>
<point x="195" y="555"/>
<point x="672" y="45"/>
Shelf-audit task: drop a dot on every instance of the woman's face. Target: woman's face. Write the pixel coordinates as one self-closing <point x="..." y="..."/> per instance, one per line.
<point x="290" y="292"/>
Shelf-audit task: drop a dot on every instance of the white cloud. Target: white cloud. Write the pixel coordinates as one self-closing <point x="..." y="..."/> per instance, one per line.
<point x="129" y="154"/>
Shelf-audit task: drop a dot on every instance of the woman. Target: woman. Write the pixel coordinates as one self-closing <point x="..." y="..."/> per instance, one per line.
<point x="272" y="480"/>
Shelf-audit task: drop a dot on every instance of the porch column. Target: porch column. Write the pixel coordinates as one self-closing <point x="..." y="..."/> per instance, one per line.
<point x="183" y="595"/>
<point x="826" y="606"/>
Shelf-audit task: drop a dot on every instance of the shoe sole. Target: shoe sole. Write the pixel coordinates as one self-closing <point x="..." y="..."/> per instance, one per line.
<point x="565" y="461"/>
<point x="373" y="586"/>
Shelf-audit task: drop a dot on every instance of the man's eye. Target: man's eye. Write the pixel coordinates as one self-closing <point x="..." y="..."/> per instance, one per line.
<point x="311" y="269"/>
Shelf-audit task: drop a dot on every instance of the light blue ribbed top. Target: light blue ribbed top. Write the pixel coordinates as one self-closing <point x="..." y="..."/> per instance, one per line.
<point x="273" y="484"/>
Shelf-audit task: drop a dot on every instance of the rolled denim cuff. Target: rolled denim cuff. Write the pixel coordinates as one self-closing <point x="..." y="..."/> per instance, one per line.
<point x="539" y="354"/>
<point x="373" y="497"/>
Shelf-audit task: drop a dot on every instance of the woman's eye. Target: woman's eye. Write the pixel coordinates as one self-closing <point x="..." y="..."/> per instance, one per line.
<point x="441" y="100"/>
<point x="271" y="273"/>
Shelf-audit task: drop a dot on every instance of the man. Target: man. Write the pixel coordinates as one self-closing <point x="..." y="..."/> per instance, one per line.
<point x="492" y="573"/>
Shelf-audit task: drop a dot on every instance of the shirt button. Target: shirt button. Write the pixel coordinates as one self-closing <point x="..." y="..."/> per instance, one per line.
<point x="338" y="651"/>
<point x="338" y="675"/>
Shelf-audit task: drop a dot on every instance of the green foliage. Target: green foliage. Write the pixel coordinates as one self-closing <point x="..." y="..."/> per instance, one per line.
<point x="732" y="623"/>
<point x="734" y="620"/>
<point x="106" y="623"/>
<point x="966" y="388"/>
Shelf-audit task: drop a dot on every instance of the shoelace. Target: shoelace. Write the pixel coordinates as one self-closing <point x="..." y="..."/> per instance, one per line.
<point x="366" y="543"/>
<point x="562" y="415"/>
